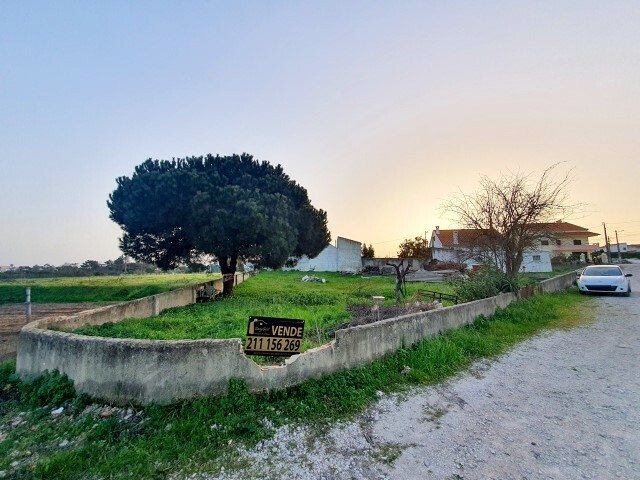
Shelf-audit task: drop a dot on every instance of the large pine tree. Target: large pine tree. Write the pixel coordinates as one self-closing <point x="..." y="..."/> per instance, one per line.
<point x="232" y="207"/>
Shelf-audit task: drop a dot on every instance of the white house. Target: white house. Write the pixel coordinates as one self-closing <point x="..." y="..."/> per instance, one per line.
<point x="536" y="261"/>
<point x="563" y="238"/>
<point x="345" y="256"/>
<point x="624" y="248"/>
<point x="460" y="246"/>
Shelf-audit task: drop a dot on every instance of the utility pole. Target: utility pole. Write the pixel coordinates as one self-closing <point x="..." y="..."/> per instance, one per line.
<point x="618" y="247"/>
<point x="606" y="239"/>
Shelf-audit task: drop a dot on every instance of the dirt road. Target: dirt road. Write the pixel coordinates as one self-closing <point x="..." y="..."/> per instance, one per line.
<point x="564" y="405"/>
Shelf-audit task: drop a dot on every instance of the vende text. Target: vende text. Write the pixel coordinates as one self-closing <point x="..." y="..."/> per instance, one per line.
<point x="282" y="331"/>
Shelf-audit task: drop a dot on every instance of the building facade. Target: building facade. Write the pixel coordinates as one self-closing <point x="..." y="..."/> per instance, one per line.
<point x="345" y="256"/>
<point x="461" y="246"/>
<point x="565" y="239"/>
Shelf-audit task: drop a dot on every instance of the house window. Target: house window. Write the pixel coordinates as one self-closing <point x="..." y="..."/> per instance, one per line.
<point x="536" y="258"/>
<point x="558" y="242"/>
<point x="544" y="242"/>
<point x="577" y="242"/>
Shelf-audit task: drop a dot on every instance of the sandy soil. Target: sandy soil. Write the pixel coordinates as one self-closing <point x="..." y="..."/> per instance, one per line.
<point x="13" y="318"/>
<point x="564" y="405"/>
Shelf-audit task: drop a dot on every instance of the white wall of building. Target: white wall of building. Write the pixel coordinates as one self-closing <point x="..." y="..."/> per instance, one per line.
<point x="454" y="256"/>
<point x="326" y="261"/>
<point x="536" y="262"/>
<point x="346" y="256"/>
<point x="533" y="261"/>
<point x="349" y="255"/>
<point x="415" y="263"/>
<point x="614" y="247"/>
<point x="444" y="254"/>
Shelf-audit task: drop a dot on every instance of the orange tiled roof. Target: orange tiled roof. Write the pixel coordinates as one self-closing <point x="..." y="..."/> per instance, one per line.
<point x="466" y="237"/>
<point x="566" y="228"/>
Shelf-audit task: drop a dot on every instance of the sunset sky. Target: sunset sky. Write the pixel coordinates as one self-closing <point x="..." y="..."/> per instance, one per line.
<point x="381" y="109"/>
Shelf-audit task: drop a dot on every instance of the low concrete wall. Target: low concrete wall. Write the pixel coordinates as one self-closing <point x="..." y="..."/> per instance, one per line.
<point x="141" y="308"/>
<point x="557" y="284"/>
<point x="158" y="371"/>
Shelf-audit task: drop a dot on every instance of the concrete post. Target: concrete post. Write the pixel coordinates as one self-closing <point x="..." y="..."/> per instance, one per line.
<point x="154" y="306"/>
<point x="28" y="304"/>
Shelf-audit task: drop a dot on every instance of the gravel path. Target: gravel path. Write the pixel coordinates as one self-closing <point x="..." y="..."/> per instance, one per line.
<point x="564" y="405"/>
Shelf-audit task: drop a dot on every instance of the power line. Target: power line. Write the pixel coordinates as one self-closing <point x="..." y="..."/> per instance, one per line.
<point x="388" y="241"/>
<point x="624" y="223"/>
<point x="397" y="239"/>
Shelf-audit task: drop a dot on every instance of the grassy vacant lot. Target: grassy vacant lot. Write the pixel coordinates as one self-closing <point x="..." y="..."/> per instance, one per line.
<point x="270" y="294"/>
<point x="96" y="289"/>
<point x="92" y="440"/>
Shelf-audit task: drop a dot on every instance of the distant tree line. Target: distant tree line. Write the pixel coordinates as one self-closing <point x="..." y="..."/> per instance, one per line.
<point x="368" y="251"/>
<point x="88" y="268"/>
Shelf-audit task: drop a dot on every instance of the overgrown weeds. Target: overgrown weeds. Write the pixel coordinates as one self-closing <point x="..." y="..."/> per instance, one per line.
<point x="48" y="388"/>
<point x="187" y="436"/>
<point x="323" y="306"/>
<point x="487" y="282"/>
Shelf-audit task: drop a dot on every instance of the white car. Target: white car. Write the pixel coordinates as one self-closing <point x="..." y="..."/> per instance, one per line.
<point x="604" y="279"/>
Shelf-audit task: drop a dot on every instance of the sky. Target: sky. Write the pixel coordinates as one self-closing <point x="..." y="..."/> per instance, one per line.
<point x="382" y="110"/>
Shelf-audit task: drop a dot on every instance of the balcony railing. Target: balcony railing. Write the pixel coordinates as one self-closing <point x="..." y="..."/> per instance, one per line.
<point x="591" y="247"/>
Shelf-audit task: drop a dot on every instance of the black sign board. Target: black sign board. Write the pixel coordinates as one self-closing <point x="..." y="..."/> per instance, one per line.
<point x="274" y="336"/>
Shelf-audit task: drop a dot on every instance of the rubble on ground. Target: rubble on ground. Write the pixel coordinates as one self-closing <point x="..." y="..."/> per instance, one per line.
<point x="365" y="314"/>
<point x="313" y="278"/>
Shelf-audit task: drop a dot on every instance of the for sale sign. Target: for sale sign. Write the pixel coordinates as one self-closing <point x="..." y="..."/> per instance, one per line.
<point x="274" y="336"/>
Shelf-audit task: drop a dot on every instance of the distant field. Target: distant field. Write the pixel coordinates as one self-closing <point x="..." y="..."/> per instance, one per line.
<point x="272" y="294"/>
<point x="96" y="289"/>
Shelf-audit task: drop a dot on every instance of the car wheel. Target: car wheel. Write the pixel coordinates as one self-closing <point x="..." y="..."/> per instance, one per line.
<point x="627" y="293"/>
<point x="582" y="292"/>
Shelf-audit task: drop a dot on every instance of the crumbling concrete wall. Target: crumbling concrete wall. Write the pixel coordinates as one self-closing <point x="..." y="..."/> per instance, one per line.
<point x="349" y="255"/>
<point x="326" y="261"/>
<point x="164" y="371"/>
<point x="345" y="256"/>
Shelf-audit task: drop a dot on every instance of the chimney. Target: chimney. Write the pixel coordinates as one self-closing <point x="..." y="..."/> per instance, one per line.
<point x="437" y="230"/>
<point x="455" y="238"/>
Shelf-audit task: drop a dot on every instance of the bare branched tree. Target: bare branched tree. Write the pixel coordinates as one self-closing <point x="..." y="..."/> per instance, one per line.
<point x="401" y="272"/>
<point x="512" y="213"/>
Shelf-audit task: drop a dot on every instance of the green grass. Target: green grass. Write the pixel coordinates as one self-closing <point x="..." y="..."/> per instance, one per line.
<point x="201" y="435"/>
<point x="558" y="270"/>
<point x="96" y="289"/>
<point x="270" y="294"/>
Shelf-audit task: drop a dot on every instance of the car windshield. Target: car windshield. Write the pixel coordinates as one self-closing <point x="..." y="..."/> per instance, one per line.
<point x="602" y="272"/>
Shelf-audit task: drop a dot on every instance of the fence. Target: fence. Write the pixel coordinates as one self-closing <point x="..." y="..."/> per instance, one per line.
<point x="439" y="296"/>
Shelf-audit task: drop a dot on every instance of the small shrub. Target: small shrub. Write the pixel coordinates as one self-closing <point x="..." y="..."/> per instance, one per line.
<point x="7" y="373"/>
<point x="291" y="263"/>
<point x="435" y="265"/>
<point x="484" y="283"/>
<point x="8" y="383"/>
<point x="50" y="388"/>
<point x="559" y="260"/>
